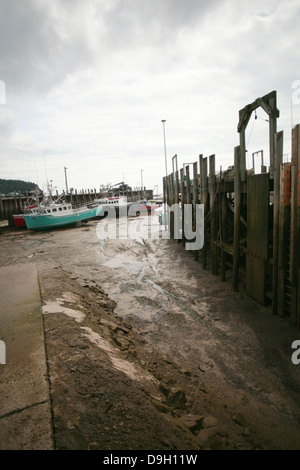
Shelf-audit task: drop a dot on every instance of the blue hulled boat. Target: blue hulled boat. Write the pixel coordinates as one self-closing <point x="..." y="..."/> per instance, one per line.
<point x="57" y="213"/>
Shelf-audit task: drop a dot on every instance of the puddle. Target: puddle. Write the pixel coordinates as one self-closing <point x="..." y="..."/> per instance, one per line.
<point x="55" y="306"/>
<point x="122" y="261"/>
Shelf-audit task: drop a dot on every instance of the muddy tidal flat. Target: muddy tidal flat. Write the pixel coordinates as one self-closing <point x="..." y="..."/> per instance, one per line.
<point x="146" y="350"/>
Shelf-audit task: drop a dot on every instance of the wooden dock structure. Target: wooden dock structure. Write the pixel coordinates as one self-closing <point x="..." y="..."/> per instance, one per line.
<point x="251" y="221"/>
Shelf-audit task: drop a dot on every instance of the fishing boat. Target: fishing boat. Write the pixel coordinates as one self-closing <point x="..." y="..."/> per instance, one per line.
<point x="150" y="205"/>
<point x="52" y="213"/>
<point x="19" y="220"/>
<point x="112" y="205"/>
<point x="31" y="203"/>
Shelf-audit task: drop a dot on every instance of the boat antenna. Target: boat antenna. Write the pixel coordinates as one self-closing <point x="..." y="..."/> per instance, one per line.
<point x="46" y="173"/>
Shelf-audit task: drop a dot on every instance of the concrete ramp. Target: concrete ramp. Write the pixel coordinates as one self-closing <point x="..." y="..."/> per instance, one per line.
<point x="25" y="417"/>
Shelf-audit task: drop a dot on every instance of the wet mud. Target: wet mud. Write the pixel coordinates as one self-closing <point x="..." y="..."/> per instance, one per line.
<point x="146" y="350"/>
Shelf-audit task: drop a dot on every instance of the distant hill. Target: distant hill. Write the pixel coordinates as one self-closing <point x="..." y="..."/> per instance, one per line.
<point x="9" y="186"/>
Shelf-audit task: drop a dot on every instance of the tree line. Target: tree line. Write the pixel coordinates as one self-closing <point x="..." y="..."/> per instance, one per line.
<point x="9" y="186"/>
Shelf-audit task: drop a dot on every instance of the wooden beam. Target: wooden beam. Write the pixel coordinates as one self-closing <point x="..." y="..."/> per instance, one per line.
<point x="176" y="202"/>
<point x="205" y="203"/>
<point x="283" y="235"/>
<point x="182" y="190"/>
<point x="278" y="161"/>
<point x="195" y="202"/>
<point x="295" y="223"/>
<point x="237" y="212"/>
<point x="213" y="214"/>
<point x="268" y="103"/>
<point x="188" y="196"/>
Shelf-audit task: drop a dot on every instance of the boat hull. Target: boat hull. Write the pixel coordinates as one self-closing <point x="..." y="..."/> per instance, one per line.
<point x="49" y="221"/>
<point x="19" y="220"/>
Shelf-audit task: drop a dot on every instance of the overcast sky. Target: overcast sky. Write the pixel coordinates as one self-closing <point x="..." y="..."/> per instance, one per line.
<point x="88" y="83"/>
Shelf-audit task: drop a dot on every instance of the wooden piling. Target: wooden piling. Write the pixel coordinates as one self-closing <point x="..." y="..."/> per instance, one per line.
<point x="295" y="220"/>
<point x="188" y="197"/>
<point x="237" y="214"/>
<point x="204" y="184"/>
<point x="276" y="198"/>
<point x="176" y="213"/>
<point x="213" y="214"/>
<point x="283" y="284"/>
<point x="183" y="200"/>
<point x="195" y="202"/>
<point x="171" y="203"/>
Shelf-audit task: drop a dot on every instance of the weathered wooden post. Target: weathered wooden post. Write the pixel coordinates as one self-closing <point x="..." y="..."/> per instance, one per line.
<point x="195" y="201"/>
<point x="204" y="180"/>
<point x="223" y="211"/>
<point x="237" y="213"/>
<point x="273" y="114"/>
<point x="268" y="103"/>
<point x="170" y="203"/>
<point x="176" y="213"/>
<point x="182" y="190"/>
<point x="283" y="236"/>
<point x="277" y="163"/>
<point x="213" y="214"/>
<point x="295" y="224"/>
<point x="188" y="194"/>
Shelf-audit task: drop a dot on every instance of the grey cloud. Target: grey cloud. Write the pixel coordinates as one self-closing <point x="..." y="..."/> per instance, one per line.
<point x="43" y="42"/>
<point x="7" y="123"/>
<point x="34" y="52"/>
<point x="152" y="21"/>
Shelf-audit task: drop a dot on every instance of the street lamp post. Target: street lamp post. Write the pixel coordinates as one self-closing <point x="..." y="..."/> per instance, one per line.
<point x="66" y="179"/>
<point x="142" y="183"/>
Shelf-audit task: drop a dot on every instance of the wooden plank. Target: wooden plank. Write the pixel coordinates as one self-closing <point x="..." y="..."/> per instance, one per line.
<point x="283" y="234"/>
<point x="201" y="170"/>
<point x="243" y="155"/>
<point x="256" y="278"/>
<point x="182" y="190"/>
<point x="237" y="214"/>
<point x="204" y="181"/>
<point x="165" y="201"/>
<point x="223" y="220"/>
<point x="257" y="215"/>
<point x="170" y="203"/>
<point x="277" y="163"/>
<point x="213" y="214"/>
<point x="188" y="222"/>
<point x="176" y="210"/>
<point x="298" y="301"/>
<point x="195" y="202"/>
<point x="295" y="222"/>
<point x="257" y="235"/>
<point x="272" y="132"/>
